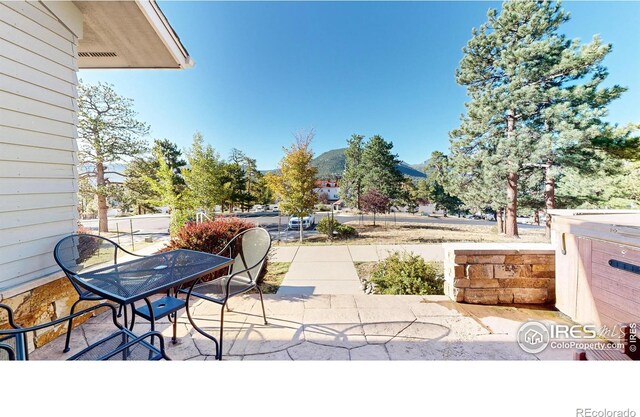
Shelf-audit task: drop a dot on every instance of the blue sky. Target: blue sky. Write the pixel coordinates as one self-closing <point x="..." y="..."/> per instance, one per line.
<point x="267" y="69"/>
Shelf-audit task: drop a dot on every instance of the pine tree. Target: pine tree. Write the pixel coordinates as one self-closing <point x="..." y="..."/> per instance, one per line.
<point x="203" y="175"/>
<point x="136" y="186"/>
<point x="530" y="104"/>
<point x="433" y="189"/>
<point x="379" y="165"/>
<point x="351" y="183"/>
<point x="108" y="131"/>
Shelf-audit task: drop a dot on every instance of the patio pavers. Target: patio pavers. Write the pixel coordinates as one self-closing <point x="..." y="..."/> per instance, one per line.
<point x="341" y="327"/>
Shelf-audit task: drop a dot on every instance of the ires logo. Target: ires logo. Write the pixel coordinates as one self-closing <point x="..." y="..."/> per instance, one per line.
<point x="534" y="336"/>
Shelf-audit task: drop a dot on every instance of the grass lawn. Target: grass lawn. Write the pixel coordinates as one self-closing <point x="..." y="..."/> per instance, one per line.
<point x="416" y="233"/>
<point x="275" y="274"/>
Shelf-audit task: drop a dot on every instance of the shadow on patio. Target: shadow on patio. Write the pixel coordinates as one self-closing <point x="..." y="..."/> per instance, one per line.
<point x="340" y="327"/>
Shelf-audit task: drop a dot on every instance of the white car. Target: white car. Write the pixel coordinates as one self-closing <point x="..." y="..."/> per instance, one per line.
<point x="307" y="222"/>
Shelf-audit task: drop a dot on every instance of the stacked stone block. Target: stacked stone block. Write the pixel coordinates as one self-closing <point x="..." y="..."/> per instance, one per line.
<point x="489" y="274"/>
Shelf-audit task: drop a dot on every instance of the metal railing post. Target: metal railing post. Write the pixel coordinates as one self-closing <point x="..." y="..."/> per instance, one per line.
<point x="133" y="247"/>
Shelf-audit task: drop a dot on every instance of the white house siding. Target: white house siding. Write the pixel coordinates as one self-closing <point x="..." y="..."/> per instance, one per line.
<point x="38" y="65"/>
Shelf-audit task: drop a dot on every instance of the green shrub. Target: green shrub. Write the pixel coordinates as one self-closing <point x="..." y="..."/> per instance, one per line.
<point x="340" y="231"/>
<point x="327" y="225"/>
<point x="180" y="217"/>
<point x="345" y="231"/>
<point x="406" y="273"/>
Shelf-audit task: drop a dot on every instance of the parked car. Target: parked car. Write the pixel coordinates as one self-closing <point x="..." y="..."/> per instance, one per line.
<point x="307" y="222"/>
<point x="524" y="219"/>
<point x="258" y="208"/>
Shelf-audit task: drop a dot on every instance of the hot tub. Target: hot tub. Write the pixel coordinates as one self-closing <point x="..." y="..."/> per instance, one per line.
<point x="597" y="265"/>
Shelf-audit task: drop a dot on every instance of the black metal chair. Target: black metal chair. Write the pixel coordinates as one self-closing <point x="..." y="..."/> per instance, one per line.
<point x="120" y="345"/>
<point x="82" y="252"/>
<point x="250" y="249"/>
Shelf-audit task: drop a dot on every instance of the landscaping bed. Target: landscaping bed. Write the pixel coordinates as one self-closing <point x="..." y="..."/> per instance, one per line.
<point x="402" y="273"/>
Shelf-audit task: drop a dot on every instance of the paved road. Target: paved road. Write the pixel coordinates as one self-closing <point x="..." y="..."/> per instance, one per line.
<point x="150" y="224"/>
<point x="159" y="223"/>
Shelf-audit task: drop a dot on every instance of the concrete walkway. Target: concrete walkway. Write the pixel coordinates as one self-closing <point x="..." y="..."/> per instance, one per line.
<point x="331" y="270"/>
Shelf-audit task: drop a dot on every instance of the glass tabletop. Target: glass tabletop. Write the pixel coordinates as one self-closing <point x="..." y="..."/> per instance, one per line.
<point x="134" y="280"/>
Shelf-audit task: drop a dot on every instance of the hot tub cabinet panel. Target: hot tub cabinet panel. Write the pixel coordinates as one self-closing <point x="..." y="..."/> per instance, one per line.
<point x="598" y="266"/>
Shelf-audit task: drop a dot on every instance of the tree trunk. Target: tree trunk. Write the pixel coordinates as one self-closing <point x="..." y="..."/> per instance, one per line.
<point x="103" y="225"/>
<point x="549" y="198"/>
<point x="374" y="218"/>
<point x="300" y="219"/>
<point x="499" y="221"/>
<point x="511" y="224"/>
<point x="536" y="217"/>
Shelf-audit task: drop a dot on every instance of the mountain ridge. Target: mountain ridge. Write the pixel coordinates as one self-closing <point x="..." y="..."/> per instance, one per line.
<point x="331" y="164"/>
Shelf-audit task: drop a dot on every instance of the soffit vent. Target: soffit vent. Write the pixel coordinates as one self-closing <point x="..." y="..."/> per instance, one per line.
<point x="97" y="54"/>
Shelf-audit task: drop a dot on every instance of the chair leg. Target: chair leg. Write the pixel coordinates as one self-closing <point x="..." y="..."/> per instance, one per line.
<point x="68" y="339"/>
<point x="221" y="329"/>
<point x="264" y="314"/>
<point x="120" y="311"/>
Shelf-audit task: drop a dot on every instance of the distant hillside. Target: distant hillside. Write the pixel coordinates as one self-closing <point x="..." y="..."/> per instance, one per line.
<point x="419" y="167"/>
<point x="331" y="164"/>
<point x="410" y="171"/>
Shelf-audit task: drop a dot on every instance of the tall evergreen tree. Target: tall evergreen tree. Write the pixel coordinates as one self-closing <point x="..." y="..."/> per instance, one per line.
<point x="203" y="175"/>
<point x="380" y="165"/>
<point x="234" y="183"/>
<point x="167" y="158"/>
<point x="433" y="187"/>
<point x="351" y="183"/>
<point x="172" y="156"/>
<point x="108" y="131"/>
<point x="136" y="186"/>
<point x="530" y="104"/>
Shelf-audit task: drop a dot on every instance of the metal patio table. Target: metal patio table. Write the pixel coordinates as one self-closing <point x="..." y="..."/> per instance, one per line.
<point x="138" y="279"/>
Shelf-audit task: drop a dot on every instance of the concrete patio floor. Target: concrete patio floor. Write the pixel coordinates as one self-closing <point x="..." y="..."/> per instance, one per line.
<point x="339" y="327"/>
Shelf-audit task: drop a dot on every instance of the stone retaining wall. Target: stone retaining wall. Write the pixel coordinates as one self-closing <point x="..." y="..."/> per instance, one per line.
<point x="43" y="304"/>
<point x="500" y="273"/>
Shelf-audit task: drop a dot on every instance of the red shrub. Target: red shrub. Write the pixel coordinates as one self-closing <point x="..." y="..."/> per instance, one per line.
<point x="211" y="237"/>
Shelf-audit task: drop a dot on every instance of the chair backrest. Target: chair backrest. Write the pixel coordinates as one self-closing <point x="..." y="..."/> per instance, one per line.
<point x="255" y="246"/>
<point x="77" y="253"/>
<point x="84" y="252"/>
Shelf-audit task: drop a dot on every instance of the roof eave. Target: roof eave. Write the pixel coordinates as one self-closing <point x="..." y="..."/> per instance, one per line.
<point x="169" y="37"/>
